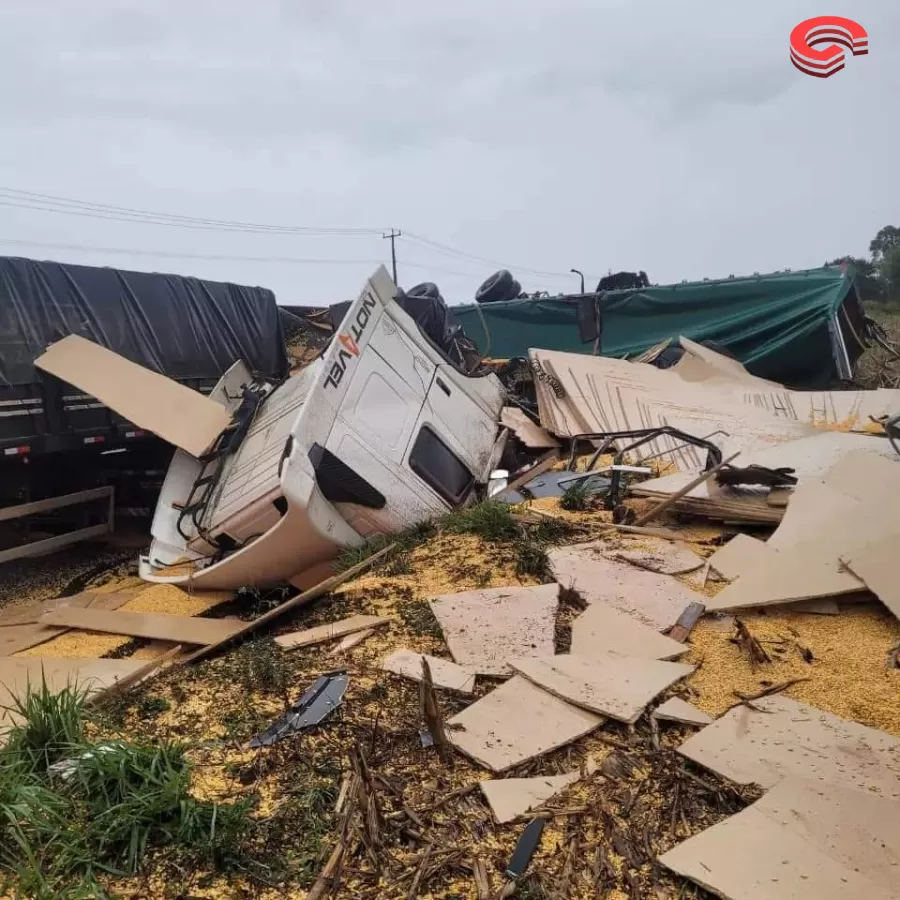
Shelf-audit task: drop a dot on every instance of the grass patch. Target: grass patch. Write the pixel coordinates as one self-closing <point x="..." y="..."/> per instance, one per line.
<point x="72" y="811"/>
<point x="531" y="560"/>
<point x="490" y="520"/>
<point x="575" y="496"/>
<point x="396" y="563"/>
<point x="261" y="666"/>
<point x="419" y="619"/>
<point x="149" y="706"/>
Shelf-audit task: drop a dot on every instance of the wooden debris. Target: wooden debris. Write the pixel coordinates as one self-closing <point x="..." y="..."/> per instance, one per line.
<point x="322" y="633"/>
<point x="682" y="629"/>
<point x="769" y="691"/>
<point x="510" y="798"/>
<point x="350" y="641"/>
<point x="444" y="674"/>
<point x="482" y="880"/>
<point x="431" y="709"/>
<point x="303" y="599"/>
<point x="545" y="463"/>
<point x="184" y="629"/>
<point x="663" y="557"/>
<point x="145" y="671"/>
<point x="670" y="501"/>
<point x="602" y="628"/>
<point x="750" y="645"/>
<point x="677" y="710"/>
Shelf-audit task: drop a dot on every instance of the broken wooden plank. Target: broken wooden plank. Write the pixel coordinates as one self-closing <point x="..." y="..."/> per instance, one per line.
<point x="444" y="673"/>
<point x="601" y="628"/>
<point x="608" y="684"/>
<point x="790" y="739"/>
<point x="30" y="613"/>
<point x="183" y="629"/>
<point x="516" y="723"/>
<point x="483" y="628"/>
<point x="656" y="600"/>
<point x="702" y="478"/>
<point x="510" y="798"/>
<point x="677" y="710"/>
<point x="682" y="629"/>
<point x="802" y="839"/>
<point x="350" y="641"/>
<point x="308" y="596"/>
<point x="546" y="462"/>
<point x="329" y="631"/>
<point x="145" y="671"/>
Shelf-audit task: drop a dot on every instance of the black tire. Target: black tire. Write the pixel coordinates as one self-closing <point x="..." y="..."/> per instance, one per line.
<point x="496" y="288"/>
<point x="514" y="290"/>
<point x="426" y="289"/>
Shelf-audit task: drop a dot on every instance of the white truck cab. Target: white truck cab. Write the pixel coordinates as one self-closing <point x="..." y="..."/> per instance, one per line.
<point x="378" y="434"/>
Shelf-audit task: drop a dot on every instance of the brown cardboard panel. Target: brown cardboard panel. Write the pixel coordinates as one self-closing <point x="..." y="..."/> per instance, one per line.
<point x="485" y="628"/>
<point x="741" y="554"/>
<point x="510" y="798"/>
<point x="875" y="564"/>
<point x="677" y="710"/>
<point x="175" y="413"/>
<point x="791" y="739"/>
<point x="602" y="628"/>
<point x="608" y="684"/>
<point x="516" y="723"/>
<point x="444" y="674"/>
<point x="802" y="839"/>
<point x="329" y="631"/>
<point x="179" y="629"/>
<point x="653" y="599"/>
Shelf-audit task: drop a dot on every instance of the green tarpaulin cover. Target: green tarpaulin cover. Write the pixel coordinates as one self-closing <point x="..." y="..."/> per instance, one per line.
<point x="780" y="326"/>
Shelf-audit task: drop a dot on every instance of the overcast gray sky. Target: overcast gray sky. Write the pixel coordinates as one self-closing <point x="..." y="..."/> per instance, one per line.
<point x="674" y="137"/>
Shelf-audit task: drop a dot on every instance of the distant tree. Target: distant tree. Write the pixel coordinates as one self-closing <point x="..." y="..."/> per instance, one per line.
<point x="884" y="242"/>
<point x="869" y="280"/>
<point x="889" y="270"/>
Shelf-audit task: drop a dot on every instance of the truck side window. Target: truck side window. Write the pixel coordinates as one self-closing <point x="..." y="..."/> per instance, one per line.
<point x="439" y="467"/>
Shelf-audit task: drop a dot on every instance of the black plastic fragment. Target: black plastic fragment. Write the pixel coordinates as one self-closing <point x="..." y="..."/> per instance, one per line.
<point x="316" y="704"/>
<point x="525" y="848"/>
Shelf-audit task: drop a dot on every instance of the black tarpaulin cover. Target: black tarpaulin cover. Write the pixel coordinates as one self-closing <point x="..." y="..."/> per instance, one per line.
<point x="179" y="327"/>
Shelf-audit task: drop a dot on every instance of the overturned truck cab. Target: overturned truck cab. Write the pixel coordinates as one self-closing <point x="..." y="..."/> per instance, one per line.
<point x="378" y="434"/>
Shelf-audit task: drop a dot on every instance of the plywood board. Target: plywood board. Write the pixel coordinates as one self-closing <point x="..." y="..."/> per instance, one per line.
<point x="30" y="613"/>
<point x="741" y="554"/>
<point x="444" y="674"/>
<point x="510" y="798"/>
<point x="351" y="641"/>
<point x="484" y="628"/>
<point x="802" y="839"/>
<point x="516" y="723"/>
<point x="677" y="710"/>
<point x="876" y="566"/>
<point x="608" y="684"/>
<point x="664" y="557"/>
<point x="15" y="638"/>
<point x="329" y="631"/>
<point x="656" y="600"/>
<point x="180" y="629"/>
<point x="177" y="414"/>
<point x="602" y="628"/>
<point x="791" y="739"/>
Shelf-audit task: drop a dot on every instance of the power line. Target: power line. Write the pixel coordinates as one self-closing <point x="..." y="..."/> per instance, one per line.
<point x="54" y="200"/>
<point x="177" y="254"/>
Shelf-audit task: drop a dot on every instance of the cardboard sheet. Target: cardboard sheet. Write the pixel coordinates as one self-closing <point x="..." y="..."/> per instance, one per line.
<point x="483" y="629"/>
<point x="803" y="839"/>
<point x="653" y="599"/>
<point x="792" y="739"/>
<point x="510" y="798"/>
<point x="329" y="631"/>
<point x="444" y="674"/>
<point x="677" y="710"/>
<point x="608" y="684"/>
<point x="516" y="723"/>
<point x="178" y="629"/>
<point x="742" y="553"/>
<point x="170" y="410"/>
<point x="830" y="518"/>
<point x="664" y="557"/>
<point x="602" y="628"/>
<point x="876" y="566"/>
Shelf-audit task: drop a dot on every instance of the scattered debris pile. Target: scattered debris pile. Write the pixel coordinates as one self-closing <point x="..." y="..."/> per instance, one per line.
<point x="686" y="689"/>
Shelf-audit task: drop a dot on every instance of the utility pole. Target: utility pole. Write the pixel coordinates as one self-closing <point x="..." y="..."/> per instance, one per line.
<point x="394" y="234"/>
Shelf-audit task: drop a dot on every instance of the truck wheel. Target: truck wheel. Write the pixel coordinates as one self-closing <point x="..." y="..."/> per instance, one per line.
<point x="497" y="288"/>
<point x="426" y="289"/>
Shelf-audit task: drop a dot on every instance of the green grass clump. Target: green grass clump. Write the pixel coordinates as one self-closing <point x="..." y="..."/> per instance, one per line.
<point x="72" y="810"/>
<point x="490" y="520"/>
<point x="575" y="497"/>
